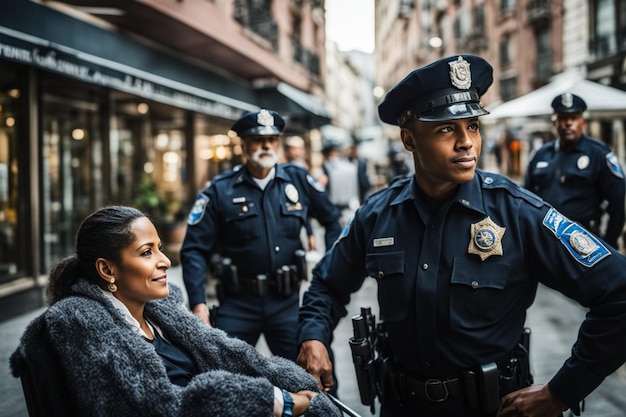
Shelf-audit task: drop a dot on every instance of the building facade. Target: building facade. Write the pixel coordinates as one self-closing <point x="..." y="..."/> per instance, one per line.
<point x="114" y="102"/>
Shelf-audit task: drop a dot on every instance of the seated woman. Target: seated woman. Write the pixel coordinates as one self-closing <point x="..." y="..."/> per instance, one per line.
<point x="117" y="340"/>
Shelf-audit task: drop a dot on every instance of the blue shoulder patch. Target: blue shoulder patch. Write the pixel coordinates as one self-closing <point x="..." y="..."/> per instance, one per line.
<point x="314" y="183"/>
<point x="582" y="245"/>
<point x="346" y="229"/>
<point x="198" y="209"/>
<point x="614" y="166"/>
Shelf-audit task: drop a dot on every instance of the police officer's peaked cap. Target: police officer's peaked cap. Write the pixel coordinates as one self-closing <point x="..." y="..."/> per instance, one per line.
<point x="447" y="89"/>
<point x="259" y="123"/>
<point x="568" y="103"/>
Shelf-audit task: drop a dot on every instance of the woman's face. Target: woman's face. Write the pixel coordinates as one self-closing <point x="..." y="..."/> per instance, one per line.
<point x="141" y="275"/>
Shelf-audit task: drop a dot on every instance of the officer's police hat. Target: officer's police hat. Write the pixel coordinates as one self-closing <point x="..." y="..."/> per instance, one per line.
<point x="568" y="103"/>
<point x="447" y="89"/>
<point x="259" y="123"/>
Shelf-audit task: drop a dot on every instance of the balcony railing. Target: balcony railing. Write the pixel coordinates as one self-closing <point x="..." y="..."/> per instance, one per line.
<point x="538" y="12"/>
<point x="606" y="45"/>
<point x="309" y="60"/>
<point x="258" y="20"/>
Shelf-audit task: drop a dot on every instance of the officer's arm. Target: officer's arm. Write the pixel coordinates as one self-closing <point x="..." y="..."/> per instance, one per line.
<point x="614" y="192"/>
<point x="322" y="209"/>
<point x="196" y="249"/>
<point x="589" y="272"/>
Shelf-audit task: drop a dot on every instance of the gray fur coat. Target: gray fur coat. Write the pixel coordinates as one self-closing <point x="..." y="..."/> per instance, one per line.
<point x="85" y="360"/>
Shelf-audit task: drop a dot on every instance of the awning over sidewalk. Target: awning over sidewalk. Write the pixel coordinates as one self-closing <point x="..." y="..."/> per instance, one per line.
<point x="602" y="101"/>
<point x="303" y="110"/>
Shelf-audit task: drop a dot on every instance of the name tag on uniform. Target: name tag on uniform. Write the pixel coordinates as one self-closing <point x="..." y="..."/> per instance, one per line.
<point x="383" y="241"/>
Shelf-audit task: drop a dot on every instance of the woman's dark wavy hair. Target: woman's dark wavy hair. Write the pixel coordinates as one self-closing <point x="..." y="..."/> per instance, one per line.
<point x="103" y="234"/>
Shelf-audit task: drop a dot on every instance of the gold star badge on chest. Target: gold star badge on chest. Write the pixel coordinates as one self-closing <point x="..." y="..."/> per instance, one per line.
<point x="486" y="239"/>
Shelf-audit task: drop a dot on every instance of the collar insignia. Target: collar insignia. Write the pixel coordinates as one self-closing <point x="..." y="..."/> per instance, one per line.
<point x="265" y="118"/>
<point x="460" y="75"/>
<point x="292" y="193"/>
<point x="486" y="239"/>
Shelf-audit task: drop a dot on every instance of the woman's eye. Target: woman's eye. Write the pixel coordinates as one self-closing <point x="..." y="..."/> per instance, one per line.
<point x="147" y="252"/>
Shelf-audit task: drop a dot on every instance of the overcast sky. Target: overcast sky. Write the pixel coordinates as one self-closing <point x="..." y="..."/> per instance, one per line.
<point x="350" y="24"/>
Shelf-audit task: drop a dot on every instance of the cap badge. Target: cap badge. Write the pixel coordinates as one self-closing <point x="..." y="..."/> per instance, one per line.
<point x="567" y="100"/>
<point x="486" y="239"/>
<point x="292" y="193"/>
<point x="460" y="75"/>
<point x="265" y="118"/>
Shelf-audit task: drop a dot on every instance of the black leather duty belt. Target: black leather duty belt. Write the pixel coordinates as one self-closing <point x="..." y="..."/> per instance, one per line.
<point x="433" y="390"/>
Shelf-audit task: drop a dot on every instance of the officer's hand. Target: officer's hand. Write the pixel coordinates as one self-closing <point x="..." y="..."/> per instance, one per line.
<point x="313" y="357"/>
<point x="201" y="311"/>
<point x="312" y="245"/>
<point x="533" y="401"/>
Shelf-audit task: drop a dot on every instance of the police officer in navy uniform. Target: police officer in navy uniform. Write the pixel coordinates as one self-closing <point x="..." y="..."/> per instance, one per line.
<point x="457" y="254"/>
<point x="252" y="217"/>
<point x="578" y="174"/>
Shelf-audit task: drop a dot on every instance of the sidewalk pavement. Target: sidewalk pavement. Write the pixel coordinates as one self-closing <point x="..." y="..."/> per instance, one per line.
<point x="12" y="399"/>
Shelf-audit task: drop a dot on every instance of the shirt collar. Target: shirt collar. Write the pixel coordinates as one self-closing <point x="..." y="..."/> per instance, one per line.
<point x="123" y="310"/>
<point x="468" y="195"/>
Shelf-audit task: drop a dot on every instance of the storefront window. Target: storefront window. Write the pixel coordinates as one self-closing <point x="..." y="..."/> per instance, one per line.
<point x="147" y="145"/>
<point x="72" y="170"/>
<point x="9" y="167"/>
<point x="215" y="149"/>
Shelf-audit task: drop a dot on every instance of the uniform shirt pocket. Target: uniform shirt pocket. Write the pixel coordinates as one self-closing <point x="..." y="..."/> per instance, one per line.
<point x="388" y="270"/>
<point x="476" y="293"/>
<point x="293" y="217"/>
<point x="242" y="223"/>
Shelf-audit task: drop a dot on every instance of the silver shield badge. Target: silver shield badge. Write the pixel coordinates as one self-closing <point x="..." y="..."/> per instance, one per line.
<point x="265" y="118"/>
<point x="567" y="100"/>
<point x="292" y="193"/>
<point x="460" y="75"/>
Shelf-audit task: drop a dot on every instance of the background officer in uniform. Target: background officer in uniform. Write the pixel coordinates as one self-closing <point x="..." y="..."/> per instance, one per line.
<point x="252" y="216"/>
<point x="458" y="254"/>
<point x="579" y="175"/>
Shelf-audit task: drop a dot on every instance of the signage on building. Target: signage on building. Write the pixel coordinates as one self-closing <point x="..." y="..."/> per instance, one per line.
<point x="25" y="49"/>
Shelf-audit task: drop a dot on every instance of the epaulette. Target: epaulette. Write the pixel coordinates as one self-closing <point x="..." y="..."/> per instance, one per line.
<point x="494" y="181"/>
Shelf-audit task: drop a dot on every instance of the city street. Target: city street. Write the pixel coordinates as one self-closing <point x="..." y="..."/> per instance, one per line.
<point x="553" y="319"/>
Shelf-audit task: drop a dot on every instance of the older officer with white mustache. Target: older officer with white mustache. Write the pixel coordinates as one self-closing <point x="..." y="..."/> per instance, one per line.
<point x="251" y="217"/>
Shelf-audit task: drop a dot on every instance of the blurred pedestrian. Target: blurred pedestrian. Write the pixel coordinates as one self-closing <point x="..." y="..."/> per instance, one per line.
<point x="295" y="151"/>
<point x="579" y="175"/>
<point x="248" y="221"/>
<point x="458" y="254"/>
<point x="342" y="180"/>
<point x="362" y="171"/>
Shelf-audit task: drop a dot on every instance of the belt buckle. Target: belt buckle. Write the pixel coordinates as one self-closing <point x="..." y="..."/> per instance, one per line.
<point x="432" y="382"/>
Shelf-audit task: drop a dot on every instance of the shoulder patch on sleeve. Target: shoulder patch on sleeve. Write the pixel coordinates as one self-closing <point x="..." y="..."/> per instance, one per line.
<point x="582" y="245"/>
<point x="319" y="187"/>
<point x="613" y="164"/>
<point x="198" y="209"/>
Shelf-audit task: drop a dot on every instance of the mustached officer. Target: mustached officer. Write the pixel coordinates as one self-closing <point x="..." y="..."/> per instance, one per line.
<point x="457" y="255"/>
<point x="579" y="175"/>
<point x="248" y="222"/>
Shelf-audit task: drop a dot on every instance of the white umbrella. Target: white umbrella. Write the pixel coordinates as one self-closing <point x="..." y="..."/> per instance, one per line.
<point x="602" y="101"/>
